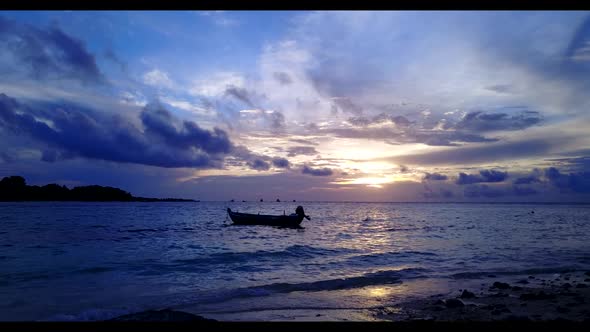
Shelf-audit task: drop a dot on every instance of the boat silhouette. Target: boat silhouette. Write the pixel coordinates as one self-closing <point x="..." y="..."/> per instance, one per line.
<point x="291" y="220"/>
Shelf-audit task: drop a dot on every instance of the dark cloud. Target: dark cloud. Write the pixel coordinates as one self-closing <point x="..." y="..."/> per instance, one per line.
<point x="500" y="88"/>
<point x="346" y="105"/>
<point x="111" y="56"/>
<point x="301" y="150"/>
<point x="534" y="177"/>
<point x="485" y="191"/>
<point x="403" y="168"/>
<point x="277" y="120"/>
<point x="475" y="191"/>
<point x="441" y="193"/>
<point x="428" y="137"/>
<point x="360" y="121"/>
<point x="303" y="141"/>
<point x="47" y="53"/>
<point x="49" y="156"/>
<point x="280" y="162"/>
<point x="239" y="94"/>
<point x="282" y="78"/>
<point x="363" y="121"/>
<point x="449" y="138"/>
<point x="159" y="122"/>
<point x="7" y="158"/>
<point x="482" y="154"/>
<point x="435" y="177"/>
<point x="484" y="176"/>
<point x="524" y="191"/>
<point x="578" y="47"/>
<point x="259" y="165"/>
<point x="492" y="121"/>
<point x="85" y="133"/>
<point x="527" y="180"/>
<point x="400" y="121"/>
<point x="578" y="182"/>
<point x="316" y="171"/>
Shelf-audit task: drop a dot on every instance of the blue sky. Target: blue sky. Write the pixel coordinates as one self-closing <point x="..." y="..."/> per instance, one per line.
<point x="337" y="105"/>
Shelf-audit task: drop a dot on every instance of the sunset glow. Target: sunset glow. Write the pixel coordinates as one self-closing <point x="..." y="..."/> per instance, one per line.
<point x="178" y="103"/>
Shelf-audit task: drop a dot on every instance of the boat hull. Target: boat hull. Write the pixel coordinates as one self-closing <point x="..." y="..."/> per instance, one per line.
<point x="258" y="219"/>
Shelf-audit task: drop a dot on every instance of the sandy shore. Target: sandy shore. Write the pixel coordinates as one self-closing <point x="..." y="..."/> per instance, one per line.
<point x="533" y="298"/>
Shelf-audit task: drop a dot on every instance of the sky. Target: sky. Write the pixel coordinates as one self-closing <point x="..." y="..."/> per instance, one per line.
<point x="420" y="106"/>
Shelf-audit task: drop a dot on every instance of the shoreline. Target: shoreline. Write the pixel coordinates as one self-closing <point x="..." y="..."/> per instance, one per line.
<point x="563" y="297"/>
<point x="555" y="297"/>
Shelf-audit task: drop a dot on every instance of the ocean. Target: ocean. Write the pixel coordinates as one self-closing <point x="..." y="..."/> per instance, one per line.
<point x="93" y="261"/>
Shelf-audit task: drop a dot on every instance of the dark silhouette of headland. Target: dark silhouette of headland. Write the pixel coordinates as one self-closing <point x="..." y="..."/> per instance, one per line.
<point x="15" y="189"/>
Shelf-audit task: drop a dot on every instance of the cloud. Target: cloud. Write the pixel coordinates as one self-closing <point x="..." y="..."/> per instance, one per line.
<point x="158" y="78"/>
<point x="280" y="162"/>
<point x="220" y="18"/>
<point x="316" y="171"/>
<point x="277" y="120"/>
<point x="159" y="122"/>
<point x="500" y="88"/>
<point x="524" y="191"/>
<point x="402" y="136"/>
<point x="578" y="182"/>
<point x="47" y="53"/>
<point x="346" y="105"/>
<point x="303" y="141"/>
<point x="486" y="153"/>
<point x="5" y="157"/>
<point x="441" y="193"/>
<point x="488" y="121"/>
<point x="484" y="176"/>
<point x="477" y="191"/>
<point x="282" y="77"/>
<point x="49" y="156"/>
<point x="398" y="120"/>
<point x="301" y="150"/>
<point x="217" y="84"/>
<point x="259" y="165"/>
<point x="435" y="177"/>
<point x="77" y="132"/>
<point x="240" y="94"/>
<point x="534" y="177"/>
<point x="111" y="56"/>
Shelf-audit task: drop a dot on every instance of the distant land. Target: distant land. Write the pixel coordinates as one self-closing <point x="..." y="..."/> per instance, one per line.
<point x="15" y="189"/>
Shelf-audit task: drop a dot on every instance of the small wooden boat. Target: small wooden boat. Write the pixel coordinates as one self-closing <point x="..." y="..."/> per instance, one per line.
<point x="291" y="220"/>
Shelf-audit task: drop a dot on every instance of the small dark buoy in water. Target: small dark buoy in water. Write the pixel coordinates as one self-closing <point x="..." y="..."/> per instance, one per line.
<point x="278" y="200"/>
<point x="532" y="212"/>
<point x="243" y="200"/>
<point x="261" y="200"/>
<point x="232" y="200"/>
<point x="294" y="201"/>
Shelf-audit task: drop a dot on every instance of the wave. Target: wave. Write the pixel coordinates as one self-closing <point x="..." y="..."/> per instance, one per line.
<point x="481" y="274"/>
<point x="90" y="315"/>
<point x="143" y="230"/>
<point x="369" y="279"/>
<point x="389" y="257"/>
<point x="96" y="269"/>
<point x="295" y="251"/>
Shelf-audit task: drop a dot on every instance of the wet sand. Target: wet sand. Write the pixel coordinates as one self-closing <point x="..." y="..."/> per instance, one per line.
<point x="532" y="298"/>
<point x="557" y="297"/>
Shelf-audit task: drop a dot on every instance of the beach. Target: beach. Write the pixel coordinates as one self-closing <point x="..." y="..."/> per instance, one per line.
<point x="534" y="298"/>
<point x="541" y="298"/>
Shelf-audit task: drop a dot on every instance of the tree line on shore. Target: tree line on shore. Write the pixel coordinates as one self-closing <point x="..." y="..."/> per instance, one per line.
<point x="15" y="188"/>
